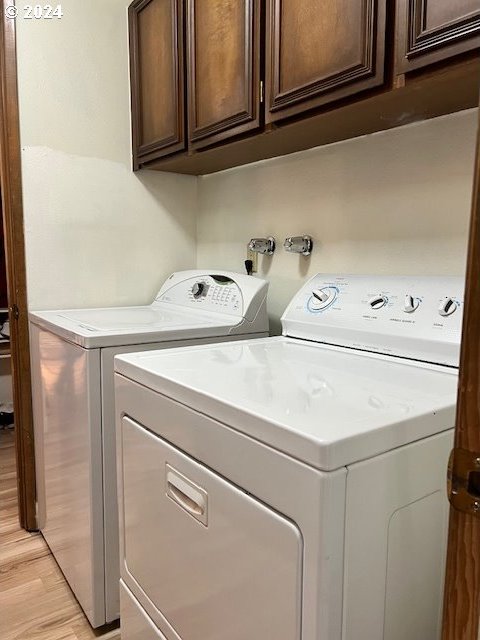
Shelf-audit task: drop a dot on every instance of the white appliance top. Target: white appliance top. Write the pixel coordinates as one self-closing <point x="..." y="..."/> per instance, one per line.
<point x="348" y="385"/>
<point x="418" y="317"/>
<point x="326" y="406"/>
<point x="190" y="304"/>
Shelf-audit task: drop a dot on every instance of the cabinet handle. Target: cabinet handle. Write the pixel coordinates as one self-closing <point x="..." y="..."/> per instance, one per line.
<point x="187" y="495"/>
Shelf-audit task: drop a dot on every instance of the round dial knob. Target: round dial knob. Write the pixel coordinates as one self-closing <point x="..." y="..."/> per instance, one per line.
<point x="198" y="289"/>
<point x="447" y="307"/>
<point x="321" y="294"/>
<point x="322" y="298"/>
<point x="411" y="304"/>
<point x="378" y="302"/>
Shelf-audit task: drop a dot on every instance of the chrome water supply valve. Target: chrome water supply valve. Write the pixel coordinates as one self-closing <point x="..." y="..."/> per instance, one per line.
<point x="299" y="244"/>
<point x="262" y="245"/>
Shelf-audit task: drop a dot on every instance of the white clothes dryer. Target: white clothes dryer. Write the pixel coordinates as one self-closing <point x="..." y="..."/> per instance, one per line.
<point x="294" y="488"/>
<point x="73" y="401"/>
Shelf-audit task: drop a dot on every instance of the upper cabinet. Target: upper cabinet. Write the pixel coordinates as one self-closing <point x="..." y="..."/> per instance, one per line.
<point x="220" y="83"/>
<point x="320" y="51"/>
<point x="157" y="78"/>
<point x="430" y="31"/>
<point x="223" y="68"/>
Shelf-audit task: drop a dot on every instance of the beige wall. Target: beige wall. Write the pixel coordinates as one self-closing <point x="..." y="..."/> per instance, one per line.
<point x="96" y="234"/>
<point x="393" y="202"/>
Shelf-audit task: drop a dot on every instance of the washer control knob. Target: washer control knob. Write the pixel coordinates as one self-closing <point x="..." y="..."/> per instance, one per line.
<point x="198" y="289"/>
<point x="411" y="304"/>
<point x="447" y="307"/>
<point x="378" y="302"/>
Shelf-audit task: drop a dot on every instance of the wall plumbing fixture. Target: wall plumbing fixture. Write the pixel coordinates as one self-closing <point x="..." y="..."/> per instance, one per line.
<point x="262" y="245"/>
<point x="299" y="244"/>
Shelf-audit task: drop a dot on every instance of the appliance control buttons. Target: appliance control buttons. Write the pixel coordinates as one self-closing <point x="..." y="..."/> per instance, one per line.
<point x="322" y="298"/>
<point x="447" y="307"/>
<point x="378" y="302"/>
<point x="411" y="304"/>
<point x="199" y="289"/>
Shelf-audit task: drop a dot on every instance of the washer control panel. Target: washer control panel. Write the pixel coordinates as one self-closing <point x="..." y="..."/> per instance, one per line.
<point x="224" y="292"/>
<point x="414" y="317"/>
<point x="209" y="292"/>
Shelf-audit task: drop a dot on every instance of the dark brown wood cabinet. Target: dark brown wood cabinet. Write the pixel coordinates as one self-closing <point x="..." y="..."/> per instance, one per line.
<point x="429" y="31"/>
<point x="320" y="51"/>
<point x="157" y="78"/>
<point x="199" y="69"/>
<point x="223" y="68"/>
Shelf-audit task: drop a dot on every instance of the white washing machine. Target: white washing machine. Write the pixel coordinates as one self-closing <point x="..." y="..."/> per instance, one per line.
<point x="294" y="487"/>
<point x="73" y="396"/>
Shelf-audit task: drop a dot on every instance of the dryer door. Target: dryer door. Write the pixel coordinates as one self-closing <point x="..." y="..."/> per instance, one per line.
<point x="213" y="560"/>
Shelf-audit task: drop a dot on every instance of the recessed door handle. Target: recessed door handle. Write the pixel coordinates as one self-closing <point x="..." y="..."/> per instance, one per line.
<point x="184" y="501"/>
<point x="186" y="494"/>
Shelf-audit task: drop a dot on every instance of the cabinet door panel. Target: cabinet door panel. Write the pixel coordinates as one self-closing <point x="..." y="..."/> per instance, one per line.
<point x="441" y="14"/>
<point x="320" y="51"/>
<point x="223" y="69"/>
<point x="429" y="31"/>
<point x="157" y="77"/>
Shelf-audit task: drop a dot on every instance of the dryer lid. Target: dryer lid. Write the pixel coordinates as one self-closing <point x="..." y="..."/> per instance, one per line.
<point x="325" y="406"/>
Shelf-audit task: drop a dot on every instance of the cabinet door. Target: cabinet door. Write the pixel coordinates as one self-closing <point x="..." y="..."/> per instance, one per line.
<point x="223" y="38"/>
<point x="432" y="30"/>
<point x="321" y="50"/>
<point x="157" y="78"/>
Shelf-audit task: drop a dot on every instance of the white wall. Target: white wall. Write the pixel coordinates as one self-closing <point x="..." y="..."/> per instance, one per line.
<point x="96" y="234"/>
<point x="393" y="202"/>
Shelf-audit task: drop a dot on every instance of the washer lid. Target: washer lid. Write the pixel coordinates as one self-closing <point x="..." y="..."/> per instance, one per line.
<point x="118" y="326"/>
<point x="190" y="305"/>
<point x="325" y="406"/>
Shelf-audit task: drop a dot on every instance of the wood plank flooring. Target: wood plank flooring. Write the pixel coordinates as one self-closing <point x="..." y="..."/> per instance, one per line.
<point x="35" y="600"/>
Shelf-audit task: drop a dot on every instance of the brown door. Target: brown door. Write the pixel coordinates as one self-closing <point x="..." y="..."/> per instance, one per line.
<point x="462" y="588"/>
<point x="11" y="195"/>
<point x="321" y="50"/>
<point x="432" y="30"/>
<point x="157" y="78"/>
<point x="223" y="43"/>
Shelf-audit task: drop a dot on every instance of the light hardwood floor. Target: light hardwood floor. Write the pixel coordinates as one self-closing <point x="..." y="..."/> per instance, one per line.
<point x="35" y="601"/>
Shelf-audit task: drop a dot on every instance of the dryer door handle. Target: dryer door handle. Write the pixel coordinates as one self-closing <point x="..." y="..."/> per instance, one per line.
<point x="187" y="495"/>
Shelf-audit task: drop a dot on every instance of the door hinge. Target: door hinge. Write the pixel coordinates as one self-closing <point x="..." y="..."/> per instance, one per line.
<point x="14" y="312"/>
<point x="464" y="481"/>
<point x="262" y="91"/>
